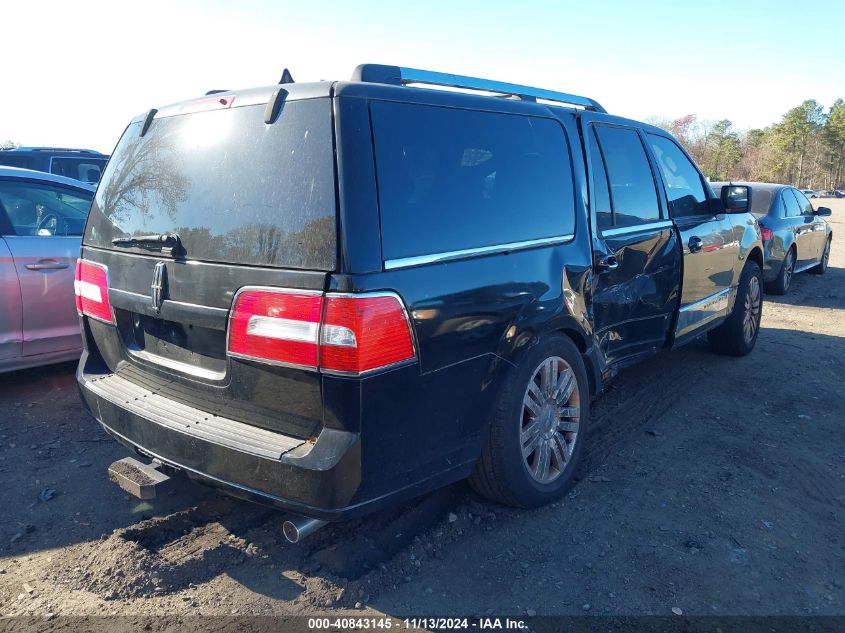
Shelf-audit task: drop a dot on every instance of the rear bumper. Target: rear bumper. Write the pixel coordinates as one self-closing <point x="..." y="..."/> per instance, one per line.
<point x="318" y="478"/>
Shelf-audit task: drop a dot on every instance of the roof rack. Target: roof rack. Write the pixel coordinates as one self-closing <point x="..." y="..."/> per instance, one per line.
<point x="399" y="76"/>
<point x="54" y="149"/>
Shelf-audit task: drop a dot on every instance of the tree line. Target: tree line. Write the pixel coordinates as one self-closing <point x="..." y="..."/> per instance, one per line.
<point x="805" y="149"/>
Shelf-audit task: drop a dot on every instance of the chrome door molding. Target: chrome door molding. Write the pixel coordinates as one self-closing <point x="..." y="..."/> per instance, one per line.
<point x="704" y="311"/>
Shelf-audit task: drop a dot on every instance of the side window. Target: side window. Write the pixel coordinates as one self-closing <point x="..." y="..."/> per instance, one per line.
<point x="601" y="193"/>
<point x="450" y="179"/>
<point x="793" y="209"/>
<point x="806" y="205"/>
<point x="632" y="191"/>
<point x="36" y="209"/>
<point x="77" y="168"/>
<point x="683" y="182"/>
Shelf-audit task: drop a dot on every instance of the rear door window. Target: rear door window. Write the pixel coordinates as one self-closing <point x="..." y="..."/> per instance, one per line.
<point x="601" y="191"/>
<point x="684" y="187"/>
<point x="632" y="188"/>
<point x="793" y="209"/>
<point x="451" y="179"/>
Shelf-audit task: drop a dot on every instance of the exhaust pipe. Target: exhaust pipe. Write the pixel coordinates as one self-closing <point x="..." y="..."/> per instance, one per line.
<point x="297" y="528"/>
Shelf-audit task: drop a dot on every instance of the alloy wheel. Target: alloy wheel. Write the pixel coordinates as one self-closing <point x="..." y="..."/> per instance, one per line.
<point x="789" y="269"/>
<point x="751" y="314"/>
<point x="549" y="420"/>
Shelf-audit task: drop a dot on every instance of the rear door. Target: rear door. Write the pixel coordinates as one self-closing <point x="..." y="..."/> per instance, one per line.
<point x="710" y="241"/>
<point x="637" y="260"/>
<point x="11" y="332"/>
<point x="47" y="222"/>
<point x="254" y="205"/>
<point x="800" y="220"/>
<point x="813" y="226"/>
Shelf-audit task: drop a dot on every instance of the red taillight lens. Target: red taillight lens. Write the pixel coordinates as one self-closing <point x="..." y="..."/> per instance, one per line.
<point x="276" y="326"/>
<point x="765" y="233"/>
<point x="91" y="286"/>
<point x="336" y="333"/>
<point x="365" y="333"/>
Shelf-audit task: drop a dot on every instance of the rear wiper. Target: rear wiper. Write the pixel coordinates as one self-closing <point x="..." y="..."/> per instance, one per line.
<point x="169" y="243"/>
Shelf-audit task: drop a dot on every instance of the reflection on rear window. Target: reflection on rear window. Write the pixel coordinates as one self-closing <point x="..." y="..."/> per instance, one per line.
<point x="234" y="188"/>
<point x="454" y="179"/>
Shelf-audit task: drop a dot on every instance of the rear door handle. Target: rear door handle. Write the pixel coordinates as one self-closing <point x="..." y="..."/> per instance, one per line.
<point x="694" y="244"/>
<point x="46" y="264"/>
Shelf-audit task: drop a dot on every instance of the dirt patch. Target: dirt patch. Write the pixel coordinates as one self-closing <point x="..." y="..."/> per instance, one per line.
<point x="713" y="485"/>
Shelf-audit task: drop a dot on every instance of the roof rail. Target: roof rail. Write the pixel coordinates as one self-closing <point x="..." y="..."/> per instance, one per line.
<point x="54" y="149"/>
<point x="399" y="76"/>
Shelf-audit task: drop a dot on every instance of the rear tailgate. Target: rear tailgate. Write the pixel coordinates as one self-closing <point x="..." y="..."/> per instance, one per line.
<point x="253" y="204"/>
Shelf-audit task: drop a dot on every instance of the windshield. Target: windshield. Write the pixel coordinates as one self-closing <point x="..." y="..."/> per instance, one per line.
<point x="232" y="187"/>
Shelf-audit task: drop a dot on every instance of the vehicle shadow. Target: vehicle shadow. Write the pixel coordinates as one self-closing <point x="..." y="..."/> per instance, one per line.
<point x="817" y="291"/>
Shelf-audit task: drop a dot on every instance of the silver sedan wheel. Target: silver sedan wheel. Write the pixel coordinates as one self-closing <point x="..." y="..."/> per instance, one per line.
<point x="751" y="315"/>
<point x="789" y="268"/>
<point x="551" y="413"/>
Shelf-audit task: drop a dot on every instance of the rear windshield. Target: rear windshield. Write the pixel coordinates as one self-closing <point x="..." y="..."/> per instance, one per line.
<point x="452" y="179"/>
<point x="232" y="187"/>
<point x="761" y="201"/>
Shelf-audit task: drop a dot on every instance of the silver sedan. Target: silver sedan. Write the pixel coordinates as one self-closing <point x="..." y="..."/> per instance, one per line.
<point x="42" y="217"/>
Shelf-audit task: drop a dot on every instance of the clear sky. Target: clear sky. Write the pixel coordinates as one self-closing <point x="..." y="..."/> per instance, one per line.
<point x="74" y="73"/>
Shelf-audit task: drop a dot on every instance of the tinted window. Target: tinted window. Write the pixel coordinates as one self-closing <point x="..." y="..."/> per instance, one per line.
<point x="85" y="169"/>
<point x="631" y="182"/>
<point x="453" y="179"/>
<point x="793" y="209"/>
<point x="12" y="160"/>
<point x="601" y="193"/>
<point x="234" y="188"/>
<point x="683" y="183"/>
<point x="806" y="205"/>
<point x="43" y="209"/>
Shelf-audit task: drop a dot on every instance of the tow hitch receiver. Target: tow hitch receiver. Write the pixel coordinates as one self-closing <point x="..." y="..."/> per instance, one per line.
<point x="138" y="479"/>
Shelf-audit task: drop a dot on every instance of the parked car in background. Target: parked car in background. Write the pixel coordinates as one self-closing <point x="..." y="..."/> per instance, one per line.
<point x="384" y="289"/>
<point x="833" y="193"/>
<point x="41" y="222"/>
<point x="79" y="164"/>
<point x="795" y="235"/>
<point x="810" y="193"/>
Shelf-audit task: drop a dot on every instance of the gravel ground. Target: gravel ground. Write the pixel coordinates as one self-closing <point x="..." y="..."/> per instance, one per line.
<point x="711" y="485"/>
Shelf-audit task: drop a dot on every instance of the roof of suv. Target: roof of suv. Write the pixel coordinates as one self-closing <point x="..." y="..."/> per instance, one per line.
<point x="394" y="83"/>
<point x="30" y="174"/>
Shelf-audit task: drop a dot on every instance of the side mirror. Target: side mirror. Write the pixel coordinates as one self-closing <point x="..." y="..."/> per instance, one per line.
<point x="736" y="198"/>
<point x="823" y="212"/>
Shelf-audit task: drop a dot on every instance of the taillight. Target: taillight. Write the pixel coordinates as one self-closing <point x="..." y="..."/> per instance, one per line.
<point x="276" y="326"/>
<point x="337" y="333"/>
<point x="765" y="234"/>
<point x="364" y="333"/>
<point x="91" y="286"/>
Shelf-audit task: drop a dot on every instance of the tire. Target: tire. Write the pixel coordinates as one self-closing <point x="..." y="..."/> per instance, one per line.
<point x="738" y="334"/>
<point x="780" y="285"/>
<point x="504" y="473"/>
<point x="821" y="268"/>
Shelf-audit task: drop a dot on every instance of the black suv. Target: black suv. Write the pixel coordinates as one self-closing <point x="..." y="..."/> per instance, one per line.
<point x="330" y="296"/>
<point x="80" y="164"/>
